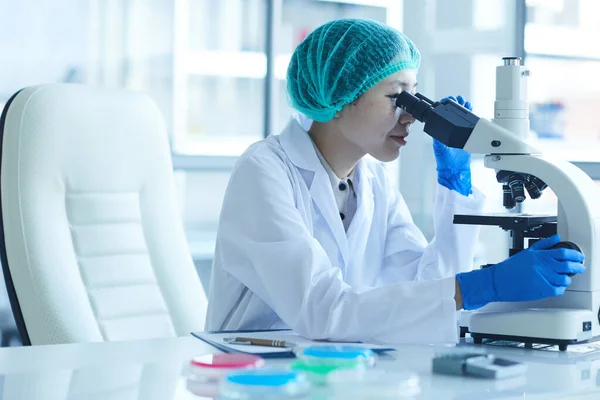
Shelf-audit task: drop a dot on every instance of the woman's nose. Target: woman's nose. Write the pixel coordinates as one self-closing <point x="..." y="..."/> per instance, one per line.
<point x="405" y="118"/>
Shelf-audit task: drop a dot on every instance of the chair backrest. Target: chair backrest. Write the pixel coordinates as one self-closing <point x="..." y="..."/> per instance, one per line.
<point x="91" y="239"/>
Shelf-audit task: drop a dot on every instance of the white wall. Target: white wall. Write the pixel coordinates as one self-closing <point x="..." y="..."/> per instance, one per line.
<point x="35" y="34"/>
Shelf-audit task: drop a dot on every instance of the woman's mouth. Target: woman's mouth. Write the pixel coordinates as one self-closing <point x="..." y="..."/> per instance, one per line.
<point x="401" y="140"/>
<point x="402" y="133"/>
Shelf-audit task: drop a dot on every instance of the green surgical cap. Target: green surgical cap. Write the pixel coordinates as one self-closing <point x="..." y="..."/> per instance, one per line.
<point x="341" y="60"/>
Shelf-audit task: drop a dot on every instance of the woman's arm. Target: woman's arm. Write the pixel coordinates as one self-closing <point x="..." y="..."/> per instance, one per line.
<point x="457" y="295"/>
<point x="408" y="255"/>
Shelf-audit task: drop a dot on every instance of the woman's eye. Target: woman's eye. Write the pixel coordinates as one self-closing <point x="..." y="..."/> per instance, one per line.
<point x="393" y="96"/>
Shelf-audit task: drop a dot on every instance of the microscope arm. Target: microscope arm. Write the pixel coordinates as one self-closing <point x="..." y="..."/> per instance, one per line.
<point x="455" y="126"/>
<point x="578" y="214"/>
<point x="490" y="138"/>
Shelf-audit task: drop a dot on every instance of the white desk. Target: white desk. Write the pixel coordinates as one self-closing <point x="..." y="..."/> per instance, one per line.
<point x="151" y="369"/>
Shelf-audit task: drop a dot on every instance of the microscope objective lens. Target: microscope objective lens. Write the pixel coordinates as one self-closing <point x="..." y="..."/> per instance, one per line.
<point x="517" y="190"/>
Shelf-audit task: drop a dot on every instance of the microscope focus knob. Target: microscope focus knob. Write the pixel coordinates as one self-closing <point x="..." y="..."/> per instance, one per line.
<point x="567" y="245"/>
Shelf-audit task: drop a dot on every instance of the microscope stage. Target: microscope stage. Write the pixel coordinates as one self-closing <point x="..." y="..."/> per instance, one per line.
<point x="534" y="325"/>
<point x="506" y="221"/>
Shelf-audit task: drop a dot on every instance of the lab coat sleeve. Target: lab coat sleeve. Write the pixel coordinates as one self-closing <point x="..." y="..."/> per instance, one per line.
<point x="408" y="256"/>
<point x="267" y="246"/>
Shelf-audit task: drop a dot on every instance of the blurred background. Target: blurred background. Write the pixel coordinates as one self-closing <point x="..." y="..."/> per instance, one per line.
<point x="216" y="68"/>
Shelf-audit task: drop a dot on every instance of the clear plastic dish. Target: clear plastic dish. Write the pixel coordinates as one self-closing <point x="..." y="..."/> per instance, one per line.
<point x="373" y="384"/>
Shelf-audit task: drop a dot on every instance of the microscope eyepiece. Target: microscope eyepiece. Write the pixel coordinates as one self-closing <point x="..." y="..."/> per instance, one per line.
<point x="446" y="121"/>
<point x="418" y="106"/>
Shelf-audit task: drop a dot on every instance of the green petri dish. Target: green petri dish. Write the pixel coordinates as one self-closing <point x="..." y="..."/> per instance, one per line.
<point x="318" y="361"/>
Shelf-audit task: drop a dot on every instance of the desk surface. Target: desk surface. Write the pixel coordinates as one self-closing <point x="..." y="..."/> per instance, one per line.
<point x="152" y="369"/>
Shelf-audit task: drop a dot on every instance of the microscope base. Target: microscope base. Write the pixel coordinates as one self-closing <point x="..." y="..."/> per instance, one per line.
<point x="534" y="325"/>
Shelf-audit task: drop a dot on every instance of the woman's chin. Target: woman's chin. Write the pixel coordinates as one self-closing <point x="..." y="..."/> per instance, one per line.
<point x="387" y="155"/>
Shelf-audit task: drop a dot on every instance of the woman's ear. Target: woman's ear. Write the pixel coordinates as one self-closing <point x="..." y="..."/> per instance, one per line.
<point x="340" y="113"/>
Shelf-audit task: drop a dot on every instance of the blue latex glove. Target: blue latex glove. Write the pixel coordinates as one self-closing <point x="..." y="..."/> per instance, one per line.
<point x="453" y="165"/>
<point x="535" y="273"/>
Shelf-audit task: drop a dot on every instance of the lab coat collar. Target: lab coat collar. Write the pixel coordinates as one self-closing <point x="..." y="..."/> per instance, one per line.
<point x="299" y="147"/>
<point x="301" y="151"/>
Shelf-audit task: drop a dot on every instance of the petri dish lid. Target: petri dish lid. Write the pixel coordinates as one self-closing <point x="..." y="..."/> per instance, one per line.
<point x="336" y="352"/>
<point x="226" y="361"/>
<point x="263" y="383"/>
<point x="363" y="383"/>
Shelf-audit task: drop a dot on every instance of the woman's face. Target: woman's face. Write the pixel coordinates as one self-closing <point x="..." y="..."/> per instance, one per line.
<point x="373" y="123"/>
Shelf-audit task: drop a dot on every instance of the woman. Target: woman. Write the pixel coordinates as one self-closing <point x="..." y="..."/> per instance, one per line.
<point x="313" y="237"/>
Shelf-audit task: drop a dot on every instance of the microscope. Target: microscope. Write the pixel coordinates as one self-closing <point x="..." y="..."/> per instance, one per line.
<point x="568" y="319"/>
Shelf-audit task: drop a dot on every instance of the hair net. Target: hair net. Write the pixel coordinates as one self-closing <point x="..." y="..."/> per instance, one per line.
<point x="341" y="60"/>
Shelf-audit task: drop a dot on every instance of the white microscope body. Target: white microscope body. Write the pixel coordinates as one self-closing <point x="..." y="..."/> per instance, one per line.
<point x="574" y="316"/>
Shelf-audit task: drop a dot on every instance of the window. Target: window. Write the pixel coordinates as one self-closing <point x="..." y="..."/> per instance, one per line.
<point x="567" y="28"/>
<point x="219" y="75"/>
<point x="562" y="52"/>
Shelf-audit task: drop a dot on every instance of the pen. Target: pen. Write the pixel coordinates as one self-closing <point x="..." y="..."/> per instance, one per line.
<point x="259" y="342"/>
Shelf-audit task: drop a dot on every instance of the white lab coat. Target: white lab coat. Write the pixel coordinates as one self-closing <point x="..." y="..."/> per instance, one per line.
<point x="283" y="258"/>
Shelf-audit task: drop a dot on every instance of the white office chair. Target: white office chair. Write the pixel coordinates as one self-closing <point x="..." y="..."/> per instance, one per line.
<point x="92" y="243"/>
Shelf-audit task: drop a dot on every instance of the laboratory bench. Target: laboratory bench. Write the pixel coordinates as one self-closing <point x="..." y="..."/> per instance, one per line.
<point x="156" y="369"/>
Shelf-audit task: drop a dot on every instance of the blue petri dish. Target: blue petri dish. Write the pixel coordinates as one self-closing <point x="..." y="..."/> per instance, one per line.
<point x="326" y="352"/>
<point x="265" y="384"/>
<point x="336" y="356"/>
